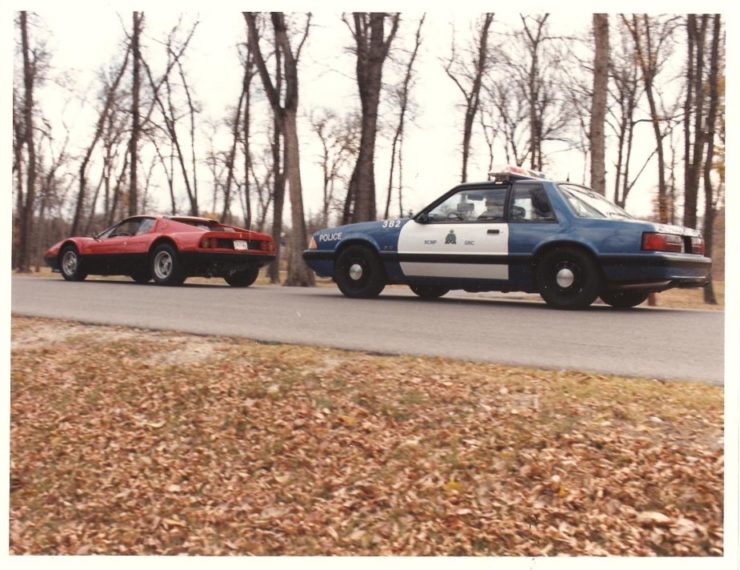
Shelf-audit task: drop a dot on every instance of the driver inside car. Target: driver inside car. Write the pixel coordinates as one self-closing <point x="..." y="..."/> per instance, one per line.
<point x="494" y="207"/>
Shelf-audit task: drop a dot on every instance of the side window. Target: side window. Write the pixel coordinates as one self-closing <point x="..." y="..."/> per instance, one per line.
<point x="471" y="206"/>
<point x="530" y="204"/>
<point x="127" y="228"/>
<point x="146" y="225"/>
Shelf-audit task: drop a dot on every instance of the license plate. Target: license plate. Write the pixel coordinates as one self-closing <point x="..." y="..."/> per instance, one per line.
<point x="241" y="244"/>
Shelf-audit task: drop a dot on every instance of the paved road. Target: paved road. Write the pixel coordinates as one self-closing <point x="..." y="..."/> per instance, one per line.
<point x="649" y="342"/>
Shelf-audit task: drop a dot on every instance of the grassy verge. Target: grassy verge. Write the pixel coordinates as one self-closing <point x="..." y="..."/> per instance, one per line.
<point x="127" y="441"/>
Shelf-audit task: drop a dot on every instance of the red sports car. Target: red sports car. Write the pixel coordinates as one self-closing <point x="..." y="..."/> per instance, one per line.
<point x="168" y="249"/>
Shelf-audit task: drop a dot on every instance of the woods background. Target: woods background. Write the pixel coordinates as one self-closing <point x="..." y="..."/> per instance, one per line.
<point x="635" y="102"/>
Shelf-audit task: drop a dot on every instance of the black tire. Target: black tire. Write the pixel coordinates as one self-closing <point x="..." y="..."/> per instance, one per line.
<point x="142" y="276"/>
<point x="625" y="299"/>
<point x="166" y="266"/>
<point x="359" y="273"/>
<point x="429" y="291"/>
<point x="243" y="277"/>
<point x="70" y="264"/>
<point x="568" y="278"/>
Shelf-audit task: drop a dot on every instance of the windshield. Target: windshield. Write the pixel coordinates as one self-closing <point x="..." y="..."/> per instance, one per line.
<point x="589" y="204"/>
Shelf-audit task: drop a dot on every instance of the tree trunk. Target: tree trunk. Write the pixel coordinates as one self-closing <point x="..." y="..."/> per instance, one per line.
<point x="138" y="19"/>
<point x="709" y="213"/>
<point x="598" y="102"/>
<point x="372" y="51"/>
<point x="285" y="114"/>
<point x="298" y="272"/>
<point x="26" y="218"/>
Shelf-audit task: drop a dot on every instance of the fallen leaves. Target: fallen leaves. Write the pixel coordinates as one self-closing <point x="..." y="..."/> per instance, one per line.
<point x="117" y="447"/>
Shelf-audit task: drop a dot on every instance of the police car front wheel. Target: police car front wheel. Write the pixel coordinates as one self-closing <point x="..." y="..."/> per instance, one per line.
<point x="359" y="272"/>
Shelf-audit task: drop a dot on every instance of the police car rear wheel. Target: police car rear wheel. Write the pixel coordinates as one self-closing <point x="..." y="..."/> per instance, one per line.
<point x="428" y="291"/>
<point x="359" y="273"/>
<point x="568" y="278"/>
<point x="623" y="299"/>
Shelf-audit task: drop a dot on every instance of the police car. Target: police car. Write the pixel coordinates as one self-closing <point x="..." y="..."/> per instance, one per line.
<point x="516" y="232"/>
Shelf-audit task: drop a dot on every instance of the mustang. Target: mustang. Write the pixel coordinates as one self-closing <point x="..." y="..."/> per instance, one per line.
<point x="516" y="232"/>
<point x="168" y="249"/>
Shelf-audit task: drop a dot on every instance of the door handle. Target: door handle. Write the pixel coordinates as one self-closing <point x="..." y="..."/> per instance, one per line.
<point x="493" y="232"/>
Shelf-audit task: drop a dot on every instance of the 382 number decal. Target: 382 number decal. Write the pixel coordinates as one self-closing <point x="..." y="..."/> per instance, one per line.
<point x="391" y="224"/>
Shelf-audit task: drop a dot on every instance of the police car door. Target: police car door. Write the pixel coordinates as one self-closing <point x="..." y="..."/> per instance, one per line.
<point x="463" y="237"/>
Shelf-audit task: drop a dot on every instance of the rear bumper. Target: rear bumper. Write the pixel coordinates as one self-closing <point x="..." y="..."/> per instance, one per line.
<point x="219" y="264"/>
<point x="656" y="271"/>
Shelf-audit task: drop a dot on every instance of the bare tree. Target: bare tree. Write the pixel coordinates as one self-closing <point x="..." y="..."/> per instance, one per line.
<point x="371" y="48"/>
<point x="512" y="111"/>
<point x="468" y="76"/>
<point x="625" y="93"/>
<point x="110" y="93"/>
<point x="170" y="111"/>
<point x="402" y="95"/>
<point x="652" y="40"/>
<point x="287" y="111"/>
<point x="531" y="63"/>
<point x="694" y="136"/>
<point x="598" y="105"/>
<point x="338" y="137"/>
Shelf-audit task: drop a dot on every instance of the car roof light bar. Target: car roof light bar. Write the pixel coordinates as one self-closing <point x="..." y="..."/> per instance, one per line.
<point x="506" y="172"/>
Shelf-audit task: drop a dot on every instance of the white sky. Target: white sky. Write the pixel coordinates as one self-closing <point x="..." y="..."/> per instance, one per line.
<point x="82" y="41"/>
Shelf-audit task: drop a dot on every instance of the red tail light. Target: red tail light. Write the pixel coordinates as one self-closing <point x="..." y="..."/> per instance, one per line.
<point x="697" y="245"/>
<point x="267" y="245"/>
<point x="662" y="242"/>
<point x="207" y="242"/>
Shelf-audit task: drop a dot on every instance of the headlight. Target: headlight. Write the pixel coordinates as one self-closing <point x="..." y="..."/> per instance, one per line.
<point x="312" y="244"/>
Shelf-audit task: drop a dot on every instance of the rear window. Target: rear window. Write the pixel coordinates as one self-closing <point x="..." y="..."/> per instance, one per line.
<point x="589" y="204"/>
<point x="210" y="225"/>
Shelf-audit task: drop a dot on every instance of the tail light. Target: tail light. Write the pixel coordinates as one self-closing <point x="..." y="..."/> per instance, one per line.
<point x="697" y="245"/>
<point x="662" y="242"/>
<point x="207" y="243"/>
<point x="267" y="245"/>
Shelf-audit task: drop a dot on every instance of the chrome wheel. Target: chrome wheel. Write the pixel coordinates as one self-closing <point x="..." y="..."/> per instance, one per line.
<point x="71" y="265"/>
<point x="565" y="278"/>
<point x="163" y="265"/>
<point x="166" y="266"/>
<point x="69" y="262"/>
<point x="355" y="272"/>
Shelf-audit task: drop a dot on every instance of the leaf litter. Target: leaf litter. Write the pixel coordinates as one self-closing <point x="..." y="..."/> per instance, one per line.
<point x="128" y="441"/>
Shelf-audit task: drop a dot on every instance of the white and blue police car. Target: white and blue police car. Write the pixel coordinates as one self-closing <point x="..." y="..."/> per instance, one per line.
<point x="516" y="232"/>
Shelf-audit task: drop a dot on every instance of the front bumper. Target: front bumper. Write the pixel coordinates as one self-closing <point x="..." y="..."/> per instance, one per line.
<point x="320" y="261"/>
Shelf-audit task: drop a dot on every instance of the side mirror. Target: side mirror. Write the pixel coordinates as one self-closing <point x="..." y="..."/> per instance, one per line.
<point x="422" y="218"/>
